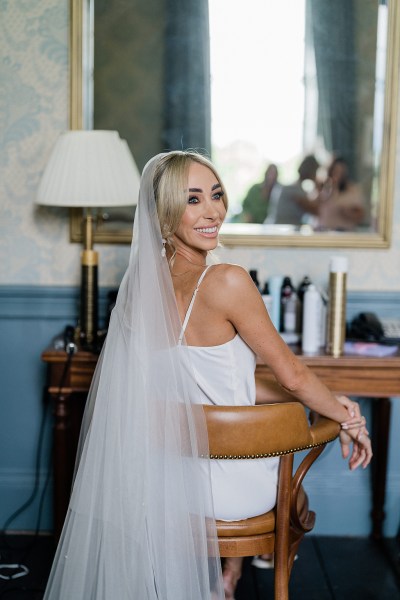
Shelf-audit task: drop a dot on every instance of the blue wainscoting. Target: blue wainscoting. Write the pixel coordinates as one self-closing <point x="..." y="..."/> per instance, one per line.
<point x="30" y="317"/>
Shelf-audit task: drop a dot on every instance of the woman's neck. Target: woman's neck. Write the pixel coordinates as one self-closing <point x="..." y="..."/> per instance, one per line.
<point x="197" y="259"/>
<point x="187" y="262"/>
<point x="187" y="255"/>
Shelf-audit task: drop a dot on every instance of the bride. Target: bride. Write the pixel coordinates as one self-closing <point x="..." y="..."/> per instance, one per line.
<point x="140" y="523"/>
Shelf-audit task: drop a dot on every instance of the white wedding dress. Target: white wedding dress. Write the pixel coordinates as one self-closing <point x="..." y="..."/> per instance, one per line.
<point x="225" y="377"/>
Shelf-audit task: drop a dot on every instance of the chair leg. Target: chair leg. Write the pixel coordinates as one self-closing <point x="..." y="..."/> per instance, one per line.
<point x="281" y="578"/>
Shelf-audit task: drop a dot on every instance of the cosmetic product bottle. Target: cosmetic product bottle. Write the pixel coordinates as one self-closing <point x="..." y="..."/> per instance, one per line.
<point x="290" y="314"/>
<point x="266" y="296"/>
<point x="287" y="290"/>
<point x="275" y="284"/>
<point x="324" y="314"/>
<point x="336" y="322"/>
<point x="312" y="305"/>
<point x="301" y="290"/>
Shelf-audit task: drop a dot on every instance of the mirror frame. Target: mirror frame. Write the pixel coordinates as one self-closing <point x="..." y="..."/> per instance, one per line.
<point x="379" y="239"/>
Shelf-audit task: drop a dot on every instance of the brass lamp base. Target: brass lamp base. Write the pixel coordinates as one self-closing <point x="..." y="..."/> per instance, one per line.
<point x="89" y="290"/>
<point x="89" y="299"/>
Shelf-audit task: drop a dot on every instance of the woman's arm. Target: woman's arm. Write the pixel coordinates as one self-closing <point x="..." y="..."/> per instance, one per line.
<point x="245" y="309"/>
<point x="270" y="391"/>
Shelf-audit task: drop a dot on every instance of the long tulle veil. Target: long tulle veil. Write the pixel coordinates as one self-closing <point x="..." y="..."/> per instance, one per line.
<point x="140" y="522"/>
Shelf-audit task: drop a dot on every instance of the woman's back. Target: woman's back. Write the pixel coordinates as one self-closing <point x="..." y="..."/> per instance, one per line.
<point x="207" y="325"/>
<point x="224" y="371"/>
<point x="225" y="376"/>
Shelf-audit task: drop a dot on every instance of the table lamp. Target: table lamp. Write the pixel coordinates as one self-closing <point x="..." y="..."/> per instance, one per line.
<point x="89" y="169"/>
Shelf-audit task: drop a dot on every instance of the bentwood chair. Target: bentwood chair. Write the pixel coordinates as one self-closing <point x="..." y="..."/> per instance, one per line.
<point x="280" y="429"/>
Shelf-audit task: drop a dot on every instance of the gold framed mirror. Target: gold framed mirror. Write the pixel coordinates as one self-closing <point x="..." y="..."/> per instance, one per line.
<point x="381" y="162"/>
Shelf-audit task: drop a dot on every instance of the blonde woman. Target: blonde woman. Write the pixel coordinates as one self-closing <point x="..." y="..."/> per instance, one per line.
<point x="183" y="333"/>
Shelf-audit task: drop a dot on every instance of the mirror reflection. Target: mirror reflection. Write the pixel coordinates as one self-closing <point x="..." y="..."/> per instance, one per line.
<point x="306" y="113"/>
<point x="288" y="98"/>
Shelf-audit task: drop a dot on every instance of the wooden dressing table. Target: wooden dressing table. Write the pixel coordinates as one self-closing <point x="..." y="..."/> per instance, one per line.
<point x="377" y="378"/>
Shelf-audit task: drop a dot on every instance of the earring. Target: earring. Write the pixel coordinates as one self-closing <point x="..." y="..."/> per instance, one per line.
<point x="163" y="251"/>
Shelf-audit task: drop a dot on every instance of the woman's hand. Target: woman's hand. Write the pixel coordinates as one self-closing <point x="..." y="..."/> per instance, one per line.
<point x="355" y="418"/>
<point x="362" y="451"/>
<point x="354" y="432"/>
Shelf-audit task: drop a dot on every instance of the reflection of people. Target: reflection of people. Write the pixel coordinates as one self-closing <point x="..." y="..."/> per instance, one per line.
<point x="140" y="519"/>
<point x="260" y="198"/>
<point x="341" y="203"/>
<point x="294" y="202"/>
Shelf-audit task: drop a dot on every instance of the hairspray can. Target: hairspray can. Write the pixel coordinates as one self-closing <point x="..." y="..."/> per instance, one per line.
<point x="275" y="284"/>
<point x="312" y="304"/>
<point x="337" y="305"/>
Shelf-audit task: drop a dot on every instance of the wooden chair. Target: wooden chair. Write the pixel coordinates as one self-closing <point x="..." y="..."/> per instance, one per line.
<point x="262" y="431"/>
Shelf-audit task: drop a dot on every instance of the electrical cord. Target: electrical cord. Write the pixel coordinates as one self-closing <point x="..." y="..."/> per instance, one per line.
<point x="15" y="570"/>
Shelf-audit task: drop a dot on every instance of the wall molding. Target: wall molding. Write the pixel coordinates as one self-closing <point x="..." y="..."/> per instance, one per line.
<point x="16" y="488"/>
<point x="385" y="304"/>
<point x="44" y="302"/>
<point x="21" y="478"/>
<point x="55" y="302"/>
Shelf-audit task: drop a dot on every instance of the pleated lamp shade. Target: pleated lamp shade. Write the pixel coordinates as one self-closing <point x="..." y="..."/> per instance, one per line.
<point x="89" y="169"/>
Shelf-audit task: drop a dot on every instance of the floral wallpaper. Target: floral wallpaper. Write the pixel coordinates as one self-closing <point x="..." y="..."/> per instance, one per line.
<point x="34" y="241"/>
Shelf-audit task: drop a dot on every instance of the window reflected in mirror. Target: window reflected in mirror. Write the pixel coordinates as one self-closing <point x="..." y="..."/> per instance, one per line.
<point x="297" y="110"/>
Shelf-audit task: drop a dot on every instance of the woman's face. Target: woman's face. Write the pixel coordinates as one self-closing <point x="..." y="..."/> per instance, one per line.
<point x="339" y="174"/>
<point x="205" y="210"/>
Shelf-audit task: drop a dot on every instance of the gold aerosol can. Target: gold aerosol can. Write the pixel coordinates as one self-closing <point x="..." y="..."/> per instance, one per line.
<point x="337" y="305"/>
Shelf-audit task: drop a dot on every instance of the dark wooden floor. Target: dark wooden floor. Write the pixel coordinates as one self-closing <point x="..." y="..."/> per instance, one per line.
<point x="328" y="568"/>
<point x="331" y="568"/>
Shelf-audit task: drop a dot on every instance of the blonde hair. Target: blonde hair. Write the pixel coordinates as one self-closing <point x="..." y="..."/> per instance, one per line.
<point x="170" y="187"/>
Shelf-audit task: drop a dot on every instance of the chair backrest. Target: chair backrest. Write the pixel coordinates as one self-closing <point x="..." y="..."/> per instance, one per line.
<point x="264" y="430"/>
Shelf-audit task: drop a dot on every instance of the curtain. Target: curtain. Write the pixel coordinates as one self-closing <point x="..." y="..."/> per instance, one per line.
<point x="187" y="121"/>
<point x="333" y="36"/>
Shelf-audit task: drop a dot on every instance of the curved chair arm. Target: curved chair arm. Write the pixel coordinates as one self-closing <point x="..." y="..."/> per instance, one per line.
<point x="322" y="431"/>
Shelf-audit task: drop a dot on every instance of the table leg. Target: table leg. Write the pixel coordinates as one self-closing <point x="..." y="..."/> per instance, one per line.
<point x="61" y="456"/>
<point x="380" y="442"/>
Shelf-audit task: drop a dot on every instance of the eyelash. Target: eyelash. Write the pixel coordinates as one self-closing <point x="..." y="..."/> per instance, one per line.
<point x="216" y="196"/>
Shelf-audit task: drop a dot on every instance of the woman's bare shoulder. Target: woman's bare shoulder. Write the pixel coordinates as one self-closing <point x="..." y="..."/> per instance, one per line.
<point x="230" y="275"/>
<point x="230" y="281"/>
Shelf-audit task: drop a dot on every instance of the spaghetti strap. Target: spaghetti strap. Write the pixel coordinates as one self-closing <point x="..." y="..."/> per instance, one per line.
<point x="189" y="310"/>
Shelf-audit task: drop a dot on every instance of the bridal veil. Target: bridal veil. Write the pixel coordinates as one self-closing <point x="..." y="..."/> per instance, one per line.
<point x="140" y="522"/>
